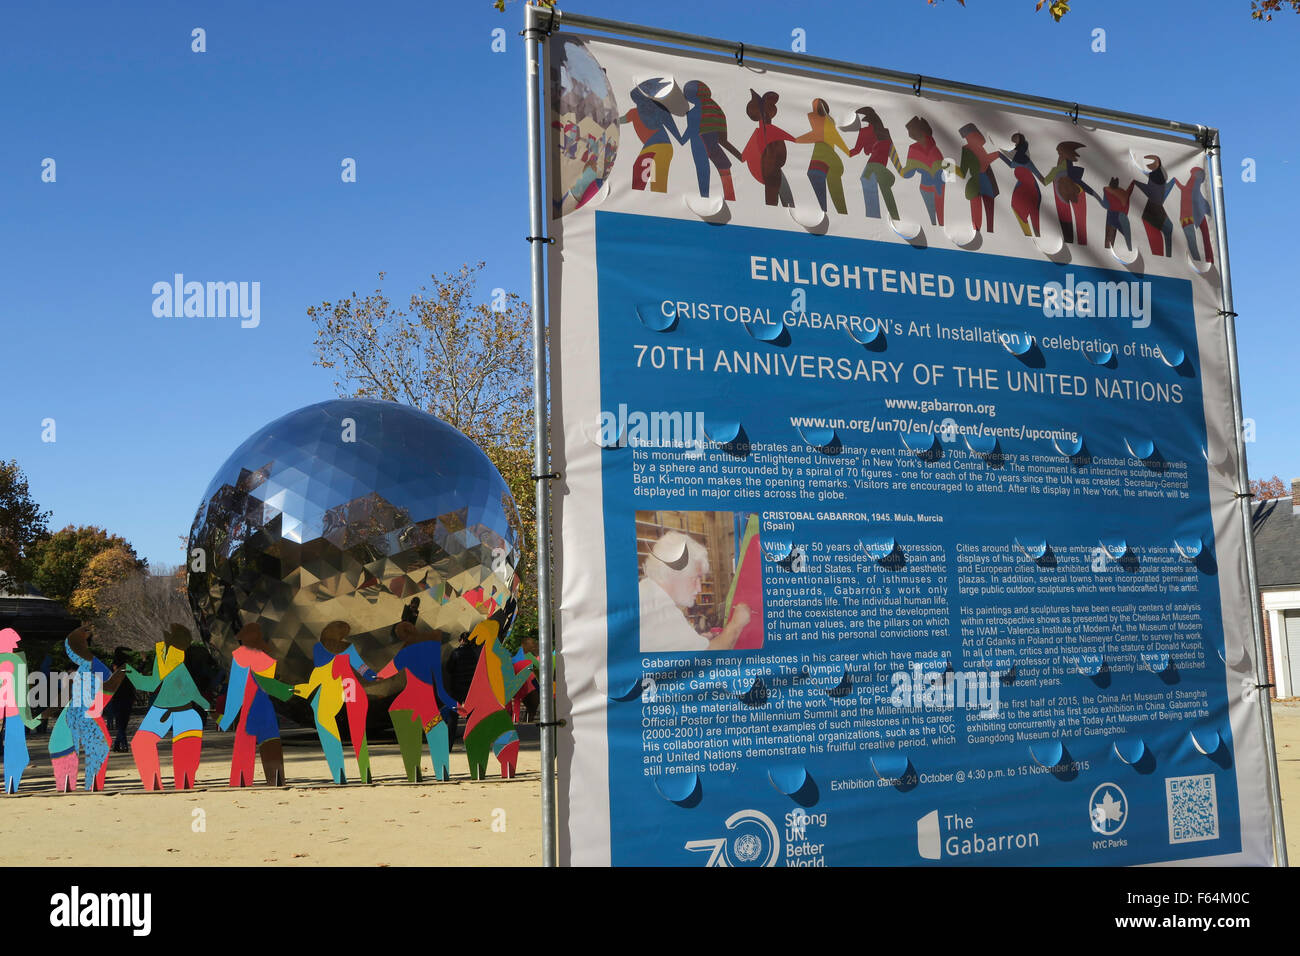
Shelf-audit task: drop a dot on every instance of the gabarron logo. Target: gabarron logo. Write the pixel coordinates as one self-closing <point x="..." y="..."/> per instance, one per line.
<point x="952" y="834"/>
<point x="656" y="429"/>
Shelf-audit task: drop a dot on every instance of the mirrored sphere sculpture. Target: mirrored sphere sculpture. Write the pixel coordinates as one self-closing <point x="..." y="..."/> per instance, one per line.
<point x="354" y="510"/>
<point x="584" y="126"/>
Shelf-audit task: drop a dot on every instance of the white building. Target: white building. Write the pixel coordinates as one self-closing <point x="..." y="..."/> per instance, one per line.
<point x="1277" y="555"/>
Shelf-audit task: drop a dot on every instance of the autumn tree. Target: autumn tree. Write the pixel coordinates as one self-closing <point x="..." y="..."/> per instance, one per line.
<point x="22" y="523"/>
<point x="137" y="609"/>
<point x="59" y="560"/>
<point x="1264" y="9"/>
<point x="468" y="362"/>
<point x="1262" y="489"/>
<point x="103" y="570"/>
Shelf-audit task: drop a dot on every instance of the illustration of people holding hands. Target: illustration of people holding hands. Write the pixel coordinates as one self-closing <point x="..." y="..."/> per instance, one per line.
<point x="825" y="169"/>
<point x="1069" y="189"/>
<point x="877" y="181"/>
<point x="925" y="160"/>
<point x="976" y="164"/>
<point x="1026" y="198"/>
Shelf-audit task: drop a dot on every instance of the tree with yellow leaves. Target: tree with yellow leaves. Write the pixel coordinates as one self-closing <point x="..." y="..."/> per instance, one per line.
<point x="103" y="570"/>
<point x="467" y="362"/>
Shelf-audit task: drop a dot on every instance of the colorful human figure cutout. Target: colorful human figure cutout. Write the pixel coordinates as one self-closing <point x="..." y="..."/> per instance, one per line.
<point x="765" y="153"/>
<point x="825" y="168"/>
<point x="178" y="709"/>
<point x="14" y="714"/>
<point x="875" y="142"/>
<point x="1116" y="203"/>
<point x="925" y="160"/>
<point x="488" y="727"/>
<point x="1194" y="214"/>
<point x="1026" y="198"/>
<point x="335" y="685"/>
<point x="976" y="164"/>
<point x="654" y="125"/>
<point x="592" y="176"/>
<point x="250" y="711"/>
<point x="522" y="665"/>
<point x="421" y="711"/>
<point x="706" y="132"/>
<point x="570" y="143"/>
<point x="1159" y="227"/>
<point x="81" y="728"/>
<point x="1070" y="192"/>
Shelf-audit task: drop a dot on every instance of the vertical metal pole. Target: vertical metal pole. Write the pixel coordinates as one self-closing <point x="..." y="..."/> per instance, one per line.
<point x="541" y="404"/>
<point x="1213" y="150"/>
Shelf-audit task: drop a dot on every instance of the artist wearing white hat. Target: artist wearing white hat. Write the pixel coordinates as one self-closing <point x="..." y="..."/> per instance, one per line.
<point x="674" y="573"/>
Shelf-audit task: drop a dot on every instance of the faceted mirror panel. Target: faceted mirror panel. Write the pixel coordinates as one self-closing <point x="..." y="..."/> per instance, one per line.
<point x="351" y="510"/>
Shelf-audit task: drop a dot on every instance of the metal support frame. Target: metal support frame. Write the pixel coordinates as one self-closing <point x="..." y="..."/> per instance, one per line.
<point x="751" y="56"/>
<point x="1212" y="152"/>
<point x="541" y="405"/>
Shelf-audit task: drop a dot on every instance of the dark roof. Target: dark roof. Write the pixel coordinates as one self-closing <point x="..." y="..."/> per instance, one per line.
<point x="9" y="589"/>
<point x="1277" y="542"/>
<point x="35" y="617"/>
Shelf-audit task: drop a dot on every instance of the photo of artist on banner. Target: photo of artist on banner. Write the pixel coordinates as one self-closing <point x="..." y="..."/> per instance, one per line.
<point x="701" y="581"/>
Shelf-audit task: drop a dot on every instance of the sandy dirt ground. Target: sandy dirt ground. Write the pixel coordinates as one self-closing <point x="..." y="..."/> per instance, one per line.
<point x="389" y="823"/>
<point x="1286" y="728"/>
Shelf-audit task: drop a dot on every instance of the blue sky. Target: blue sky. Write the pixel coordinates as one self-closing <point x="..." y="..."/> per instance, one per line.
<point x="225" y="166"/>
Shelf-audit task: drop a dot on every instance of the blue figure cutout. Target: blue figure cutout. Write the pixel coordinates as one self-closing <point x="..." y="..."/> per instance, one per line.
<point x="653" y="124"/>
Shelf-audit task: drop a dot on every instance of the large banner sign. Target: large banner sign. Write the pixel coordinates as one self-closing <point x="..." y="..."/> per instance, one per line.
<point x="896" y="519"/>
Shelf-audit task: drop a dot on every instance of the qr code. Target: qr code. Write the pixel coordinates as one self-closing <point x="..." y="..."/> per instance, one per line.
<point x="1193" y="807"/>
